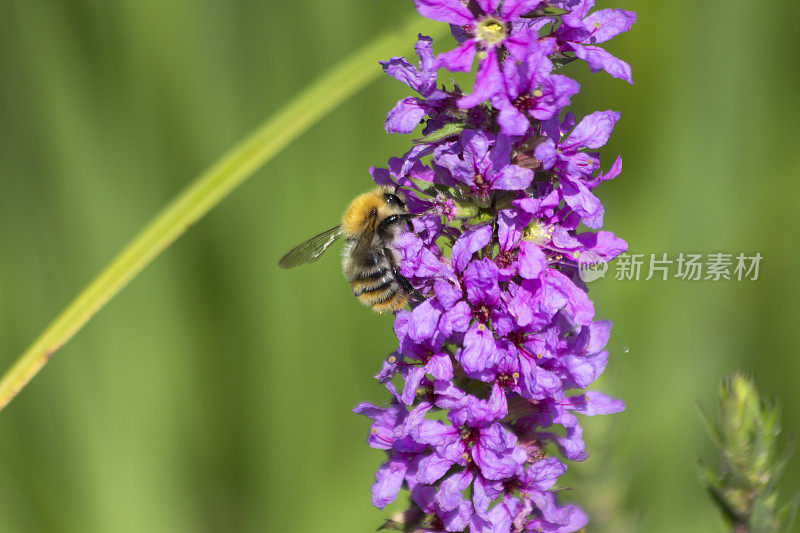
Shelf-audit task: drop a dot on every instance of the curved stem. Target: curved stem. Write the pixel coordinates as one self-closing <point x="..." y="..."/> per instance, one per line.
<point x="207" y="190"/>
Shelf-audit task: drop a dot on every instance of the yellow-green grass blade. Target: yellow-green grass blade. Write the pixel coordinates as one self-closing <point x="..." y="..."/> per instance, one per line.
<point x="206" y="191"/>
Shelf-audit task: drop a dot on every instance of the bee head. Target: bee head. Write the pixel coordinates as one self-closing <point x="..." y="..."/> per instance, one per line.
<point x="395" y="199"/>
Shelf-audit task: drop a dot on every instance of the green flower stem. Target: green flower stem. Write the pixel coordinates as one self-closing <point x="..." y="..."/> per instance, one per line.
<point x="207" y="190"/>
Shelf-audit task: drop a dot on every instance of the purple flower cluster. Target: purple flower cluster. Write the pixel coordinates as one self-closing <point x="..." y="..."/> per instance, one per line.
<point x="501" y="329"/>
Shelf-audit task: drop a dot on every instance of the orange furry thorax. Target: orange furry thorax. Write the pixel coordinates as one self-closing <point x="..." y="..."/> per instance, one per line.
<point x="356" y="215"/>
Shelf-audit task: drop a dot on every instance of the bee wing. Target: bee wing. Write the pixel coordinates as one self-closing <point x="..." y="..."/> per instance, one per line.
<point x="365" y="239"/>
<point x="311" y="250"/>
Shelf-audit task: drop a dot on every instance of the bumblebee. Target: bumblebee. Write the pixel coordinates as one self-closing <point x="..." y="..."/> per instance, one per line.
<point x="369" y="225"/>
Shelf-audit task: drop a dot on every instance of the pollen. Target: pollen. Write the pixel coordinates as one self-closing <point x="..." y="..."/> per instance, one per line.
<point x="538" y="93"/>
<point x="490" y="31"/>
<point x="392" y="359"/>
<point x="536" y="233"/>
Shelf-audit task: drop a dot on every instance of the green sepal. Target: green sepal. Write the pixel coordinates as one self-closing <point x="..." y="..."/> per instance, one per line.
<point x="547" y="11"/>
<point x="482" y="217"/>
<point x="448" y="130"/>
<point x="561" y="60"/>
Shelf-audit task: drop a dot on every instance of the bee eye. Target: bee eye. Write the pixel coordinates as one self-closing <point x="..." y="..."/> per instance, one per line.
<point x="393" y="199"/>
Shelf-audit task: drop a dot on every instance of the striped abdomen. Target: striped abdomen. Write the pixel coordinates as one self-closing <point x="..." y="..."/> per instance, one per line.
<point x="374" y="284"/>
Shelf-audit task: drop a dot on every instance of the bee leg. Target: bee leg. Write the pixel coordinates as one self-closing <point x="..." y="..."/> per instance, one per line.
<point x="401" y="279"/>
<point x="392" y="219"/>
<point x="407" y="286"/>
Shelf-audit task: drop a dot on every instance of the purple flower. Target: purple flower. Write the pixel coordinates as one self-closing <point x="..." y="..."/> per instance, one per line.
<point x="409" y="111"/>
<point x="531" y="90"/>
<point x="500" y="341"/>
<point x="565" y="154"/>
<point x="580" y="33"/>
<point x="481" y="162"/>
<point x="482" y="32"/>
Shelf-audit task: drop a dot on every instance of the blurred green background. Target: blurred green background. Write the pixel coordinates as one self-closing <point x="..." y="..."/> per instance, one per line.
<point x="214" y="393"/>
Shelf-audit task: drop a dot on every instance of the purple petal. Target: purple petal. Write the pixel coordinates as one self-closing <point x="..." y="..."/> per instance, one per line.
<point x="484" y="492"/>
<point x="451" y="11"/>
<point x="459" y="59"/>
<point x="512" y="9"/>
<point x="496" y="453"/>
<point x="488" y="81"/>
<point x="479" y="348"/>
<point x="480" y="280"/>
<point x="519" y="42"/>
<point x="613" y="172"/>
<point x="434" y="433"/>
<point x="578" y="8"/>
<point x="498" y="403"/>
<point x="532" y="260"/>
<point x="405" y="116"/>
<point x="449" y="496"/>
<point x="592" y="132"/>
<point x="574" y="519"/>
<point x="403" y="71"/>
<point x="546" y="153"/>
<point x="381" y="176"/>
<point x="607" y="23"/>
<point x="477" y="149"/>
<point x="510" y="224"/>
<point x="432" y="468"/>
<point x="440" y="367"/>
<point x="423" y="322"/>
<point x="545" y="384"/>
<point x="456" y="319"/>
<point x="448" y="395"/>
<point x="388" y="480"/>
<point x="583" y="202"/>
<point x="413" y="379"/>
<point x="571" y="298"/>
<point x="603" y="243"/>
<point x="599" y="332"/>
<point x="511" y="120"/>
<point x="522" y="303"/>
<point x="458" y="519"/>
<point x="595" y="403"/>
<point x="584" y="370"/>
<point x="469" y="243"/>
<point x="545" y="473"/>
<point x="572" y="445"/>
<point x="556" y="93"/>
<point x="488" y="6"/>
<point x="512" y="177"/>
<point x="599" y="59"/>
<point x="428" y="66"/>
<point x="446" y="294"/>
